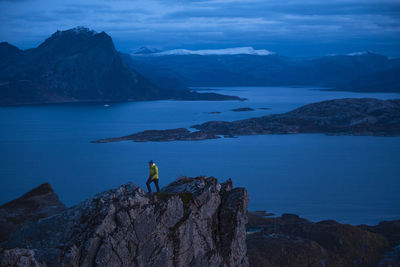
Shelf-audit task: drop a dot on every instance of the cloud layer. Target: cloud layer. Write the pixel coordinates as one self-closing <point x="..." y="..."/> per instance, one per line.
<point x="301" y="28"/>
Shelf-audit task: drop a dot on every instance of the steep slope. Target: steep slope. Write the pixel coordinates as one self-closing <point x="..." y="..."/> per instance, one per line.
<point x="73" y="66"/>
<point x="9" y="54"/>
<point x="387" y="80"/>
<point x="192" y="222"/>
<point x="38" y="203"/>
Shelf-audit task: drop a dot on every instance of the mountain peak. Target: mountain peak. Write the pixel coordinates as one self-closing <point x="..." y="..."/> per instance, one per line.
<point x="248" y="50"/>
<point x="357" y="54"/>
<point x="79" y="30"/>
<point x="7" y="48"/>
<point x="77" y="33"/>
<point x="77" y="39"/>
<point x="145" y="50"/>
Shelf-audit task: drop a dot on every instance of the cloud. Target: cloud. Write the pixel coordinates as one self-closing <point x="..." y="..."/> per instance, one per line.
<point x="178" y="23"/>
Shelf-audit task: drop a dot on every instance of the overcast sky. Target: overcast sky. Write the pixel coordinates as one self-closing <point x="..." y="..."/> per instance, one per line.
<point x="294" y="28"/>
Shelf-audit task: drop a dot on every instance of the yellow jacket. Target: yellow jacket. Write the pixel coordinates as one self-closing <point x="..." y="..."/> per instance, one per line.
<point x="153" y="171"/>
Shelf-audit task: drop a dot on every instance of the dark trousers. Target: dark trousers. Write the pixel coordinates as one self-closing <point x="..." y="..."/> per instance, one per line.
<point x="149" y="181"/>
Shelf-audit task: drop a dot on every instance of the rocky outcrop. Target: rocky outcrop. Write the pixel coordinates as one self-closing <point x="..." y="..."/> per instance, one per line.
<point x="191" y="222"/>
<point x="349" y="116"/>
<point x="389" y="229"/>
<point x="38" y="203"/>
<point x="293" y="241"/>
<point x="19" y="257"/>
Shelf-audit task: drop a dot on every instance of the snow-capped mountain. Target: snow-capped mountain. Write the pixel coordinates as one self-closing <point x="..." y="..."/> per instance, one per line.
<point x="205" y="52"/>
<point x="353" y="54"/>
<point x="145" y="50"/>
<point x="361" y="53"/>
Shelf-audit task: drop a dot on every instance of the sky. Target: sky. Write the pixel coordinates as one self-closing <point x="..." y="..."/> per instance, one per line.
<point x="292" y="28"/>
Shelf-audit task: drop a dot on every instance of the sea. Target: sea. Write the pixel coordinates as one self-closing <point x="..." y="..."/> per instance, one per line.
<point x="350" y="179"/>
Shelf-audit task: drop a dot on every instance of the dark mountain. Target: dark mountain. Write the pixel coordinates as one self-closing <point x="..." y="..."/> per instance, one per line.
<point x="73" y="66"/>
<point x="213" y="70"/>
<point x="40" y="202"/>
<point x="387" y="80"/>
<point x="9" y="54"/>
<point x="342" y="72"/>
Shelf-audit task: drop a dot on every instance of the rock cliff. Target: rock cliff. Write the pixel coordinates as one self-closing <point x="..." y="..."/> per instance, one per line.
<point x="191" y="222"/>
<point x="38" y="203"/>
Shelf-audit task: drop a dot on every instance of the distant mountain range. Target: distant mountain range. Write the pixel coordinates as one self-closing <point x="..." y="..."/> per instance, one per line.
<point x="81" y="65"/>
<point x="204" y="52"/>
<point x="245" y="66"/>
<point x="78" y="65"/>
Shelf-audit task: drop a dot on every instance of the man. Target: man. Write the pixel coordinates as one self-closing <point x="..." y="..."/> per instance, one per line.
<point x="153" y="176"/>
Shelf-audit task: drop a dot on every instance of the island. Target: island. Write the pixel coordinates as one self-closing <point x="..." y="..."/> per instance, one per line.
<point x="242" y="109"/>
<point x="348" y="116"/>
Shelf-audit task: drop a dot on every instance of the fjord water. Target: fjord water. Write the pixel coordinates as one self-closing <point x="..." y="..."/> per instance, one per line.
<point x="351" y="179"/>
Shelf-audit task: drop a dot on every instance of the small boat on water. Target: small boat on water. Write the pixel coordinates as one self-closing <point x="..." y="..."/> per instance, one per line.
<point x="106" y="105"/>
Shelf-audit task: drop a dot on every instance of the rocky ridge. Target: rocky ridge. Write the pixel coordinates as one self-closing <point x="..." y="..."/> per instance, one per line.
<point x="289" y="240"/>
<point x="192" y="222"/>
<point x="40" y="202"/>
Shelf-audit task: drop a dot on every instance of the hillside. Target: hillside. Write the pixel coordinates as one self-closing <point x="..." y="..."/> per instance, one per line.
<point x="364" y="72"/>
<point x="77" y="65"/>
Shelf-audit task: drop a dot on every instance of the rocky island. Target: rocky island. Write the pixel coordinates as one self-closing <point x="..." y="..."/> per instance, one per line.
<point x="243" y="109"/>
<point x="348" y="116"/>
<point x="191" y="222"/>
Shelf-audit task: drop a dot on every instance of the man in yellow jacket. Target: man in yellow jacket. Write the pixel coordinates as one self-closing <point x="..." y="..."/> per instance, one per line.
<point x="153" y="176"/>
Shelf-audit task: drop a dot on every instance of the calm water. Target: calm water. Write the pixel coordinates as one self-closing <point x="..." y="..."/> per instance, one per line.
<point x="346" y="178"/>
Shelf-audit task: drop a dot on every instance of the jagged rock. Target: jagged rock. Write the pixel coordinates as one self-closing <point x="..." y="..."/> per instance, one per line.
<point x="19" y="257"/>
<point x="192" y="222"/>
<point x="282" y="250"/>
<point x="293" y="241"/>
<point x="389" y="229"/>
<point x="38" y="203"/>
